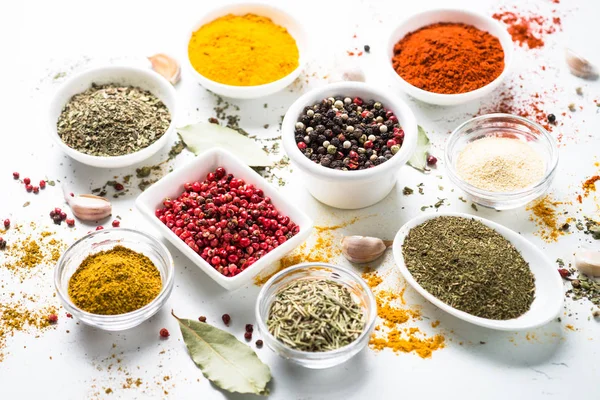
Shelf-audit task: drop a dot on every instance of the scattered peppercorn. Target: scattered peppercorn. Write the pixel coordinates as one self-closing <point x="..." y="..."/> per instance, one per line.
<point x="226" y="319"/>
<point x="551" y="118"/>
<point x="230" y="223"/>
<point x="2" y="244"/>
<point x="202" y="319"/>
<point x="367" y="48"/>
<point x="42" y="184"/>
<point x="431" y="160"/>
<point x="259" y="343"/>
<point x="70" y="221"/>
<point x="52" y="318"/>
<point x="248" y="336"/>
<point x="36" y="189"/>
<point x="6" y="223"/>
<point x="348" y="134"/>
<point x="564" y="273"/>
<point x="119" y="186"/>
<point x="99" y="227"/>
<point x="249" y="328"/>
<point x="26" y="181"/>
<point x="16" y="175"/>
<point x="69" y="315"/>
<point x="28" y="187"/>
<point x="596" y="314"/>
<point x="579" y="91"/>
<point x="572" y="107"/>
<point x="164" y="333"/>
<point x="116" y="223"/>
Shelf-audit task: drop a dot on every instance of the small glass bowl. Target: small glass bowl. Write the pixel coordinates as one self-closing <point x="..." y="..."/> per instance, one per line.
<point x="504" y="125"/>
<point x="316" y="360"/>
<point x="105" y="240"/>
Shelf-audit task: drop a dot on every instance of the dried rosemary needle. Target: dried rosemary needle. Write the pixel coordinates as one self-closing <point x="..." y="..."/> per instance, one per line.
<point x="315" y="315"/>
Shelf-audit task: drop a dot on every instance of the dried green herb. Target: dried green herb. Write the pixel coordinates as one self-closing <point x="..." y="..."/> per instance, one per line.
<point x="470" y="267"/>
<point x="315" y="315"/>
<point x="407" y="191"/>
<point x="109" y="120"/>
<point x="224" y="360"/>
<point x="585" y="288"/>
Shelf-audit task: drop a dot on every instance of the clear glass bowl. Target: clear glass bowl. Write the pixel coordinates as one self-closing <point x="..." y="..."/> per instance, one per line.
<point x="104" y="240"/>
<point x="326" y="359"/>
<point x="506" y="125"/>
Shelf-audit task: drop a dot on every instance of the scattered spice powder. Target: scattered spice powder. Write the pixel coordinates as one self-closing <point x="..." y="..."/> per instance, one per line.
<point x="24" y="253"/>
<point x="17" y="317"/>
<point x="389" y="332"/>
<point x="527" y="28"/>
<point x="325" y="249"/>
<point x="545" y="215"/>
<point x="590" y="185"/>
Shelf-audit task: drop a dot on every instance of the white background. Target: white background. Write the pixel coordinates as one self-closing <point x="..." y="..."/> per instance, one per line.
<point x="41" y="39"/>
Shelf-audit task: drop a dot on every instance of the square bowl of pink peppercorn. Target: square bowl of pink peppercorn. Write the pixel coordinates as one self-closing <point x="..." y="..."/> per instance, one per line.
<point x="224" y="217"/>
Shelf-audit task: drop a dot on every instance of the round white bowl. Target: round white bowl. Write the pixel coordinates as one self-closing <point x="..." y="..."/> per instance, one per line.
<point x="279" y="17"/>
<point x="105" y="240"/>
<point x="548" y="284"/>
<point x="519" y="128"/>
<point x="350" y="189"/>
<point x="343" y="276"/>
<point x="420" y="20"/>
<point x="121" y="75"/>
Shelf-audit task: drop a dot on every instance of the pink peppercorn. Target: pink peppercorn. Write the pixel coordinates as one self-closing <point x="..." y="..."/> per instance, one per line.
<point x="26" y="181"/>
<point x="42" y="184"/>
<point x="16" y="175"/>
<point x="229" y="223"/>
<point x="116" y="223"/>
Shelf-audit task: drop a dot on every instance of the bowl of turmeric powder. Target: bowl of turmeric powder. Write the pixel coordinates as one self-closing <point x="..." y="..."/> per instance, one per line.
<point x="114" y="279"/>
<point x="246" y="51"/>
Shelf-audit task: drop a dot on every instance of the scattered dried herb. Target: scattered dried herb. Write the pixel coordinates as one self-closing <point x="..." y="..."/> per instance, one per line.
<point x="407" y="191"/>
<point x="109" y="120"/>
<point x="585" y="288"/>
<point x="469" y="266"/>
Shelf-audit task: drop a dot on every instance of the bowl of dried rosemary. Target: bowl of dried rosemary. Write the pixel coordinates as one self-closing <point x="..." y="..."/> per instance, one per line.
<point x="316" y="315"/>
<point x="112" y="116"/>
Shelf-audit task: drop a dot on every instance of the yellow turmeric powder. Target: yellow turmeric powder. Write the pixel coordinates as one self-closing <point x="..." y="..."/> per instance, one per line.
<point x="243" y="50"/>
<point x="546" y="214"/>
<point x="115" y="281"/>
<point x="389" y="332"/>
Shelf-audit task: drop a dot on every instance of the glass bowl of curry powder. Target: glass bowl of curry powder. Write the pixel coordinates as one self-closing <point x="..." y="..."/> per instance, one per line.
<point x="114" y="279"/>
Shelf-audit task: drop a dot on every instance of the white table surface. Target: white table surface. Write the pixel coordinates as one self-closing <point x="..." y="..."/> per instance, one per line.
<point x="49" y="37"/>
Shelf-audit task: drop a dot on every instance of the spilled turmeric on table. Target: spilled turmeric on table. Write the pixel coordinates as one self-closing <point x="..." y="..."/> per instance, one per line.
<point x="389" y="332"/>
<point x="545" y="214"/>
<point x="589" y="185"/>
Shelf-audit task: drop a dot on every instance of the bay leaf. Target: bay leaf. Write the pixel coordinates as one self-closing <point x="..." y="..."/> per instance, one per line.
<point x="228" y="363"/>
<point x="419" y="157"/>
<point x="202" y="136"/>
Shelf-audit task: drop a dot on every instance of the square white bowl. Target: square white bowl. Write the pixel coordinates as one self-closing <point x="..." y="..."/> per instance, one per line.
<point x="172" y="186"/>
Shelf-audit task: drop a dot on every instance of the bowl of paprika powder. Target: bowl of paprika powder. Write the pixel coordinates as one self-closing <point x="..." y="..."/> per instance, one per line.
<point x="449" y="57"/>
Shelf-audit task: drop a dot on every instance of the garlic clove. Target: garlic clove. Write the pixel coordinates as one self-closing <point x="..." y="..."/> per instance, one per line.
<point x="588" y="262"/>
<point x="580" y="66"/>
<point x="166" y="66"/>
<point x="88" y="207"/>
<point x="363" y="249"/>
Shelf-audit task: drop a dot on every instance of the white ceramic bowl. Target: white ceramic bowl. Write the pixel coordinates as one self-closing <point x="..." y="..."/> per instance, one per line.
<point x="350" y="189"/>
<point x="518" y="128"/>
<point x="105" y="240"/>
<point x="354" y="283"/>
<point x="122" y="75"/>
<point x="548" y="283"/>
<point x="172" y="186"/>
<point x="280" y="18"/>
<point x="420" y="20"/>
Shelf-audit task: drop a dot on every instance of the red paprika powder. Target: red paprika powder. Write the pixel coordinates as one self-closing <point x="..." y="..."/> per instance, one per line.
<point x="448" y="58"/>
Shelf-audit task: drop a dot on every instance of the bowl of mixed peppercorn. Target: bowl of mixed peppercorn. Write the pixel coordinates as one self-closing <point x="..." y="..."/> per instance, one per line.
<point x="349" y="140"/>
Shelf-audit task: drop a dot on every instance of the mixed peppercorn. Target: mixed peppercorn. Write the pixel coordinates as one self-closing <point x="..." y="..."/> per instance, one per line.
<point x="348" y="134"/>
<point x="228" y="222"/>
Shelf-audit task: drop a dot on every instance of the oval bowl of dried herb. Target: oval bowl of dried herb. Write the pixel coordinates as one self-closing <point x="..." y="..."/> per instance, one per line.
<point x="114" y="279"/>
<point x="316" y="315"/>
<point x="113" y="116"/>
<point x="478" y="271"/>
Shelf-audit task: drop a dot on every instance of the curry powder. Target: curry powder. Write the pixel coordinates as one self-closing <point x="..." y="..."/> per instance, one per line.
<point x="115" y="281"/>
